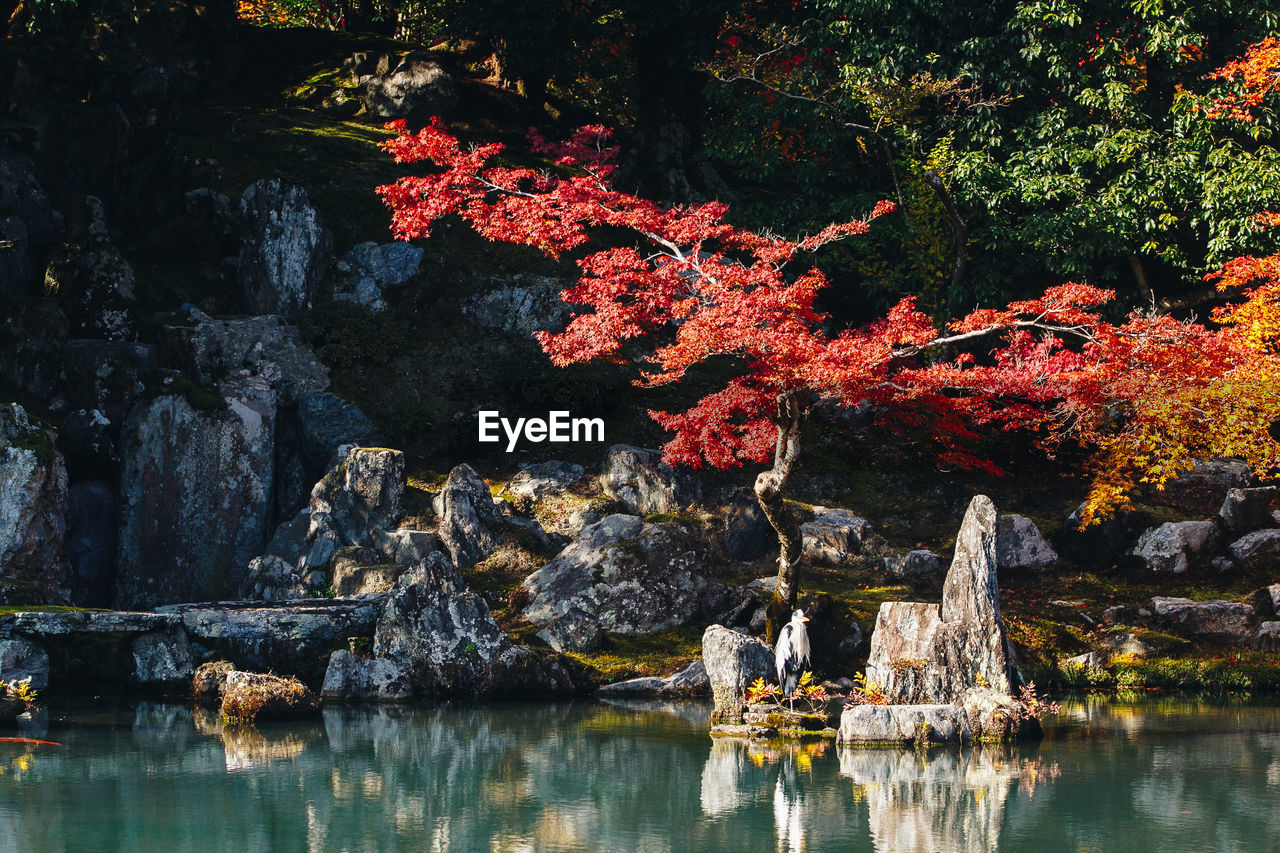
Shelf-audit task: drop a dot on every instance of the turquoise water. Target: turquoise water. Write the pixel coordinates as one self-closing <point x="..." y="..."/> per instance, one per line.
<point x="1159" y="775"/>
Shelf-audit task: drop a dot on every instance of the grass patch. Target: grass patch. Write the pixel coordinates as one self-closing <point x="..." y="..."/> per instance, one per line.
<point x="635" y="655"/>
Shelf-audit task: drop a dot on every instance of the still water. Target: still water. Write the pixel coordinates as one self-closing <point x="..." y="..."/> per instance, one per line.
<point x="1163" y="775"/>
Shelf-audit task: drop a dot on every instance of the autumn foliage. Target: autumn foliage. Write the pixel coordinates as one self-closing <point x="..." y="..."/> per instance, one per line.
<point x="1147" y="394"/>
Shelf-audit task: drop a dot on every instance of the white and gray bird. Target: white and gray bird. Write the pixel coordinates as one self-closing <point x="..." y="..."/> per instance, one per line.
<point x="791" y="655"/>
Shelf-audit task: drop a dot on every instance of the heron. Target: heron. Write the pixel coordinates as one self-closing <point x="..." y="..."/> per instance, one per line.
<point x="791" y="655"/>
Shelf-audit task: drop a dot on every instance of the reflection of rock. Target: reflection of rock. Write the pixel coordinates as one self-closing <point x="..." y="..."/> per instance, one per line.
<point x="246" y="747"/>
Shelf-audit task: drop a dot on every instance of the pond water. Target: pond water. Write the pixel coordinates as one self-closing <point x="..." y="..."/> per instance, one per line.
<point x="1162" y="775"/>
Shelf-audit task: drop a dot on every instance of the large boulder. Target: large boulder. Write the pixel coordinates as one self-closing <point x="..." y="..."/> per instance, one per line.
<point x="328" y="422"/>
<point x="1268" y="637"/>
<point x="285" y="249"/>
<point x="879" y="725"/>
<point x="251" y="696"/>
<point x="687" y="683"/>
<point x="196" y="487"/>
<point x="368" y="268"/>
<point x="544" y="479"/>
<point x="1229" y="623"/>
<point x="470" y="522"/>
<point x="1201" y="488"/>
<point x="1177" y="546"/>
<point x="1019" y="545"/>
<point x="1244" y="510"/>
<point x="353" y="502"/>
<point x="95" y="286"/>
<point x="1258" y="549"/>
<point x="833" y="535"/>
<point x="33" y="512"/>
<point x="641" y="480"/>
<point x="630" y="577"/>
<point x="417" y="89"/>
<point x="22" y="660"/>
<point x="352" y="678"/>
<point x="163" y="659"/>
<point x="733" y="663"/>
<point x="920" y="567"/>
<point x="520" y="305"/>
<point x="575" y="631"/>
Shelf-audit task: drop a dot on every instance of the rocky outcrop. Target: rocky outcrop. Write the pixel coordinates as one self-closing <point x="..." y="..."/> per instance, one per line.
<point x="469" y="519"/>
<point x="1200" y="488"/>
<point x="1177" y="546"/>
<point x="641" y="480"/>
<point x="520" y="305"/>
<point x="415" y="88"/>
<point x="284" y="251"/>
<point x="251" y="696"/>
<point x="544" y="479"/>
<point x="833" y="535"/>
<point x="628" y="576"/>
<point x="327" y="422"/>
<point x="1245" y="510"/>
<point x="33" y="512"/>
<point x="22" y="660"/>
<point x="163" y="659"/>
<point x="690" y="682"/>
<point x="574" y="631"/>
<point x="274" y="579"/>
<point x="1019" y="545"/>
<point x="1258" y="549"/>
<point x="1229" y="623"/>
<point x="352" y="678"/>
<point x="733" y="662"/>
<point x="293" y="637"/>
<point x="368" y="268"/>
<point x="352" y="503"/>
<point x="96" y="288"/>
<point x="919" y="567"/>
<point x="903" y="724"/>
<point x="197" y="487"/>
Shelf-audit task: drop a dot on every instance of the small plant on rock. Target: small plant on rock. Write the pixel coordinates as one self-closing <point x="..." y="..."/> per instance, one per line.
<point x="1033" y="705"/>
<point x="866" y="692"/>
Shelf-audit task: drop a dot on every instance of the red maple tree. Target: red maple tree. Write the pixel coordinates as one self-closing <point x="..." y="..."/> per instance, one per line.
<point x="715" y="290"/>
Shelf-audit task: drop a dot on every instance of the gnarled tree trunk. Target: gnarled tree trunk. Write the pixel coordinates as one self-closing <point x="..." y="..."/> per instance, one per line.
<point x="793" y="408"/>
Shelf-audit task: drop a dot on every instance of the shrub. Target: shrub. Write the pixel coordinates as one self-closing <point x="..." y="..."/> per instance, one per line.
<point x="250" y="696"/>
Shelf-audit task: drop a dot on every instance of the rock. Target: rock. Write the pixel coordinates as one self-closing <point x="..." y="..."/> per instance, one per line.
<point x="216" y="352"/>
<point x="293" y="637"/>
<point x="521" y="305"/>
<point x="733" y="662"/>
<point x="273" y="579"/>
<point x="631" y="577"/>
<point x="33" y="512"/>
<point x="1266" y="601"/>
<point x="903" y="724"/>
<point x="369" y="268"/>
<point x="95" y="286"/>
<point x="251" y="696"/>
<point x="544" y="479"/>
<point x="1223" y="564"/>
<point x="353" y="678"/>
<point x="1266" y="640"/>
<point x="1201" y="488"/>
<point x="1116" y="613"/>
<point x="687" y="683"/>
<point x="1245" y="510"/>
<point x="289" y="542"/>
<point x="108" y="377"/>
<point x="747" y="533"/>
<point x="1091" y="660"/>
<point x="1139" y="643"/>
<point x="56" y="623"/>
<point x="327" y="422"/>
<point x="359" y="496"/>
<point x="575" y="631"/>
<point x="994" y="715"/>
<point x="31" y="343"/>
<point x="1019" y="544"/>
<point x="849" y="646"/>
<point x="833" y="535"/>
<point x="351" y="577"/>
<point x="405" y="547"/>
<point x="209" y="680"/>
<point x="644" y="483"/>
<point x="188" y="471"/>
<point x="1177" y="546"/>
<point x="1226" y="622"/>
<point x="1257" y="550"/>
<point x="21" y="660"/>
<point x="163" y="659"/>
<point x="919" y="567"/>
<point x="927" y="653"/>
<point x="285" y="249"/>
<point x="1100" y="545"/>
<point x="632" y="688"/>
<point x="469" y="520"/>
<point x="417" y="89"/>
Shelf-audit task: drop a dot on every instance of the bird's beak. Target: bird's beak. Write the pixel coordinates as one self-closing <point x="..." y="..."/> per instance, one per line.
<point x="804" y="618"/>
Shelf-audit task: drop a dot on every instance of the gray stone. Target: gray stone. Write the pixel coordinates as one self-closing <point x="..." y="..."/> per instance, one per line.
<point x="903" y="724"/>
<point x="733" y="662"/>
<point x="687" y="683"/>
<point x="289" y="542"/>
<point x="1177" y="546"/>
<point x="417" y="89"/>
<point x="1268" y="637"/>
<point x="358" y="497"/>
<point x="629" y="576"/>
<point x="106" y="376"/>
<point x="852" y="643"/>
<point x="1088" y="659"/>
<point x="544" y="479"/>
<point x="747" y="533"/>
<point x="833" y="535"/>
<point x="95" y="286"/>
<point x="368" y="268"/>
<point x="575" y="631"/>
<point x="1257" y="550"/>
<point x="352" y="578"/>
<point x="33" y="512"/>
<point x="405" y="547"/>
<point x="520" y="305"/>
<point x="44" y="623"/>
<point x="1201" y="488"/>
<point x="285" y="249"/>
<point x="273" y="579"/>
<point x="641" y="480"/>
<point x="21" y="660"/>
<point x="645" y="686"/>
<point x="350" y="677"/>
<point x="1244" y="510"/>
<point x="287" y="638"/>
<point x="1225" y="622"/>
<point x="187" y="472"/>
<point x="163" y="659"/>
<point x="470" y="522"/>
<point x="266" y="348"/>
<point x="1019" y="544"/>
<point x="919" y="567"/>
<point x="328" y="422"/>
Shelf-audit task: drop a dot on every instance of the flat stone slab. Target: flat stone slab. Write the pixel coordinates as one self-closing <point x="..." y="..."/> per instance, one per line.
<point x="903" y="724"/>
<point x="44" y="623"/>
<point x="286" y="637"/>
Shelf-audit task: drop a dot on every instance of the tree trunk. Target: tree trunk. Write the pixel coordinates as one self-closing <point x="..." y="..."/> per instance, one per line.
<point x="792" y="410"/>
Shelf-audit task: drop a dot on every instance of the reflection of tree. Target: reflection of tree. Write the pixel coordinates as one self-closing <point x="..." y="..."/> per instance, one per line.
<point x="942" y="800"/>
